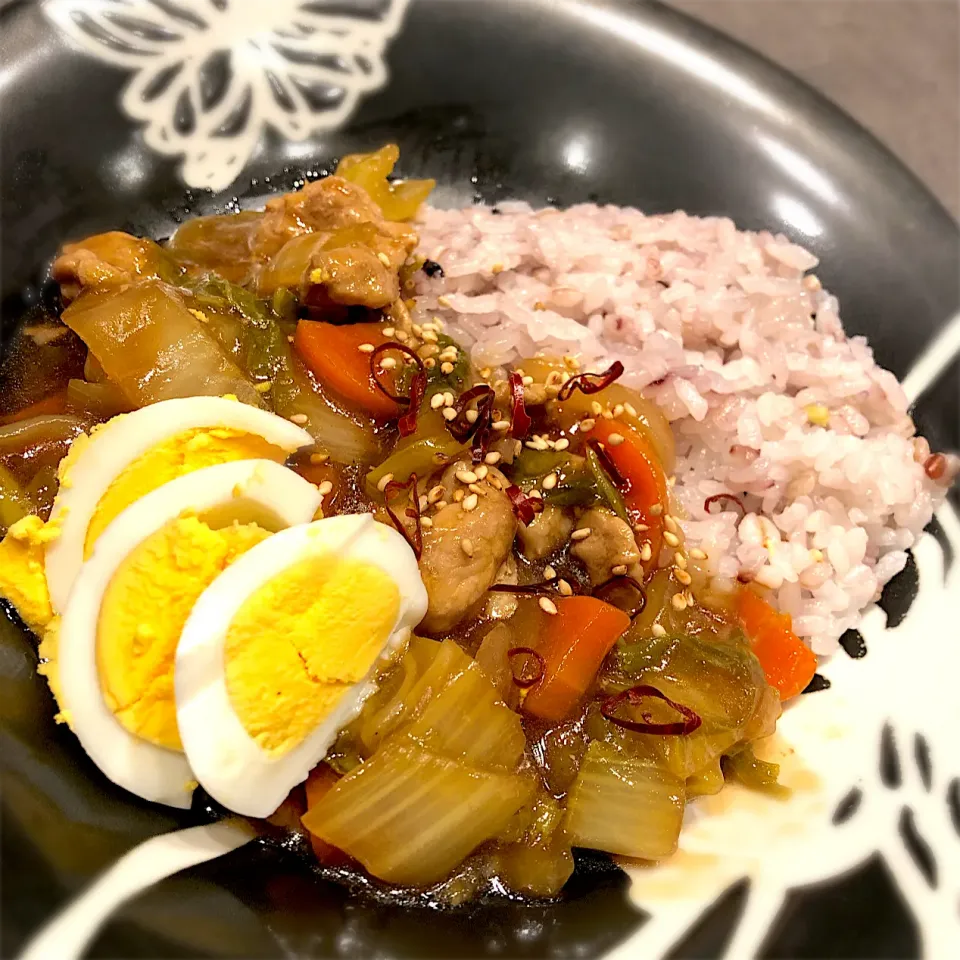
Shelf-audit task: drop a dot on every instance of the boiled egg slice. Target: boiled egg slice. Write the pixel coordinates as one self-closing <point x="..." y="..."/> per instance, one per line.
<point x="118" y="635"/>
<point x="283" y="648"/>
<point x="137" y="452"/>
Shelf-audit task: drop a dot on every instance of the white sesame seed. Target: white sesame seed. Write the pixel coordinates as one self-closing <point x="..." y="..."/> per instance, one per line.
<point x="607" y="414"/>
<point x="656" y="510"/>
<point x="615" y="439"/>
<point x="698" y="554"/>
<point x="587" y="425"/>
<point x="432" y="327"/>
<point x="436" y="401"/>
<point x="671" y="539"/>
<point x="467" y="546"/>
<point x="366" y="348"/>
<point x="683" y="577"/>
<point x="658" y="630"/>
<point x="680" y="560"/>
<point x="549" y="573"/>
<point x="449" y="413"/>
<point x="472" y="416"/>
<point x="536" y="493"/>
<point x="429" y="363"/>
<point x="477" y="489"/>
<point x="565" y="589"/>
<point x="324" y="488"/>
<point x="440" y="504"/>
<point x="548" y="606"/>
<point x="670" y="523"/>
<point x="384" y="480"/>
<point x="595" y="408"/>
<point x="417" y="329"/>
<point x="646" y="553"/>
<point x="263" y="387"/>
<point x="466" y="476"/>
<point x="457" y="496"/>
<point x="492" y="457"/>
<point x="289" y="338"/>
<point x="448" y="398"/>
<point x="298" y="418"/>
<point x="640" y="527"/>
<point x="426" y="523"/>
<point x="435" y="493"/>
<point x="481" y="471"/>
<point x="526" y="381"/>
<point x="422" y="503"/>
<point x="401" y="336"/>
<point x="388" y="363"/>
<point x="501" y="425"/>
<point x="319" y="457"/>
<point x="486" y="373"/>
<point x="429" y="336"/>
<point x="389" y="331"/>
<point x="619" y="570"/>
<point x="470" y="503"/>
<point x="679" y="601"/>
<point x="618" y="410"/>
<point x="631" y="409"/>
<point x="549" y="481"/>
<point x="581" y="534"/>
<point x="561" y="444"/>
<point x="443" y="301"/>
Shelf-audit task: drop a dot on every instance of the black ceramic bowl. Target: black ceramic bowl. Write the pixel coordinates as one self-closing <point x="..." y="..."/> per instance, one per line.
<point x="545" y="100"/>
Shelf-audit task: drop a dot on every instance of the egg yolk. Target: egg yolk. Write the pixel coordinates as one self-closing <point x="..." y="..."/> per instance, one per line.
<point x="301" y="640"/>
<point x="22" y="579"/>
<point x="144" y="609"/>
<point x="180" y="455"/>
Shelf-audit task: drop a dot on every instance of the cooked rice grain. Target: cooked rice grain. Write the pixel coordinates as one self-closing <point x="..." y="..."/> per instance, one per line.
<point x="768" y="398"/>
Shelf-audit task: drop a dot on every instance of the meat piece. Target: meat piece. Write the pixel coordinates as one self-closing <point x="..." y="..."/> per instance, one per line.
<point x="546" y="533"/>
<point x="464" y="550"/>
<point x="332" y="236"/>
<point x="108" y="260"/>
<point x="611" y="544"/>
<point x="323" y="206"/>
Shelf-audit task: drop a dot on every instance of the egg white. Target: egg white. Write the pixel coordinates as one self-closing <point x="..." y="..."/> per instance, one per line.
<point x="123" y="440"/>
<point x="150" y="771"/>
<point x="230" y="765"/>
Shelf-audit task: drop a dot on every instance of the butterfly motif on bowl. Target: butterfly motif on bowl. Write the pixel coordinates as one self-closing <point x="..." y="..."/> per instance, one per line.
<point x="210" y="77"/>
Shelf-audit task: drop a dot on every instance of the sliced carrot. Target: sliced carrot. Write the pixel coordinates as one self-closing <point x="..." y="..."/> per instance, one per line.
<point x="788" y="663"/>
<point x="319" y="783"/>
<point x="55" y="403"/>
<point x="573" y="644"/>
<point x="645" y="493"/>
<point x="333" y="353"/>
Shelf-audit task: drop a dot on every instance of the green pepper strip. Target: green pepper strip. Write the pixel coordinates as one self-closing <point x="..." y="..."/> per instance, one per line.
<point x="606" y="487"/>
<point x="421" y="457"/>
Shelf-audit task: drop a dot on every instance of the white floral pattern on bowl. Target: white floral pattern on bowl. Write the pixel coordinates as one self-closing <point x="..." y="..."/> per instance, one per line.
<point x="210" y="76"/>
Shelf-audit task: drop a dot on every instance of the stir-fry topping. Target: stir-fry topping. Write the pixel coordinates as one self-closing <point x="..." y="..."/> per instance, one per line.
<point x="590" y="383"/>
<point x="634" y="700"/>
<point x="526" y="666"/>
<point x="379" y="359"/>
<point x="720" y="499"/>
<point x="412" y="512"/>
<point x="526" y="508"/>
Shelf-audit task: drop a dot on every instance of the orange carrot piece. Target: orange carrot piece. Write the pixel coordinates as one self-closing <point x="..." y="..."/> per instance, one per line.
<point x="573" y="644"/>
<point x="55" y="403"/>
<point x="646" y="484"/>
<point x="333" y="354"/>
<point x="788" y="663"/>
